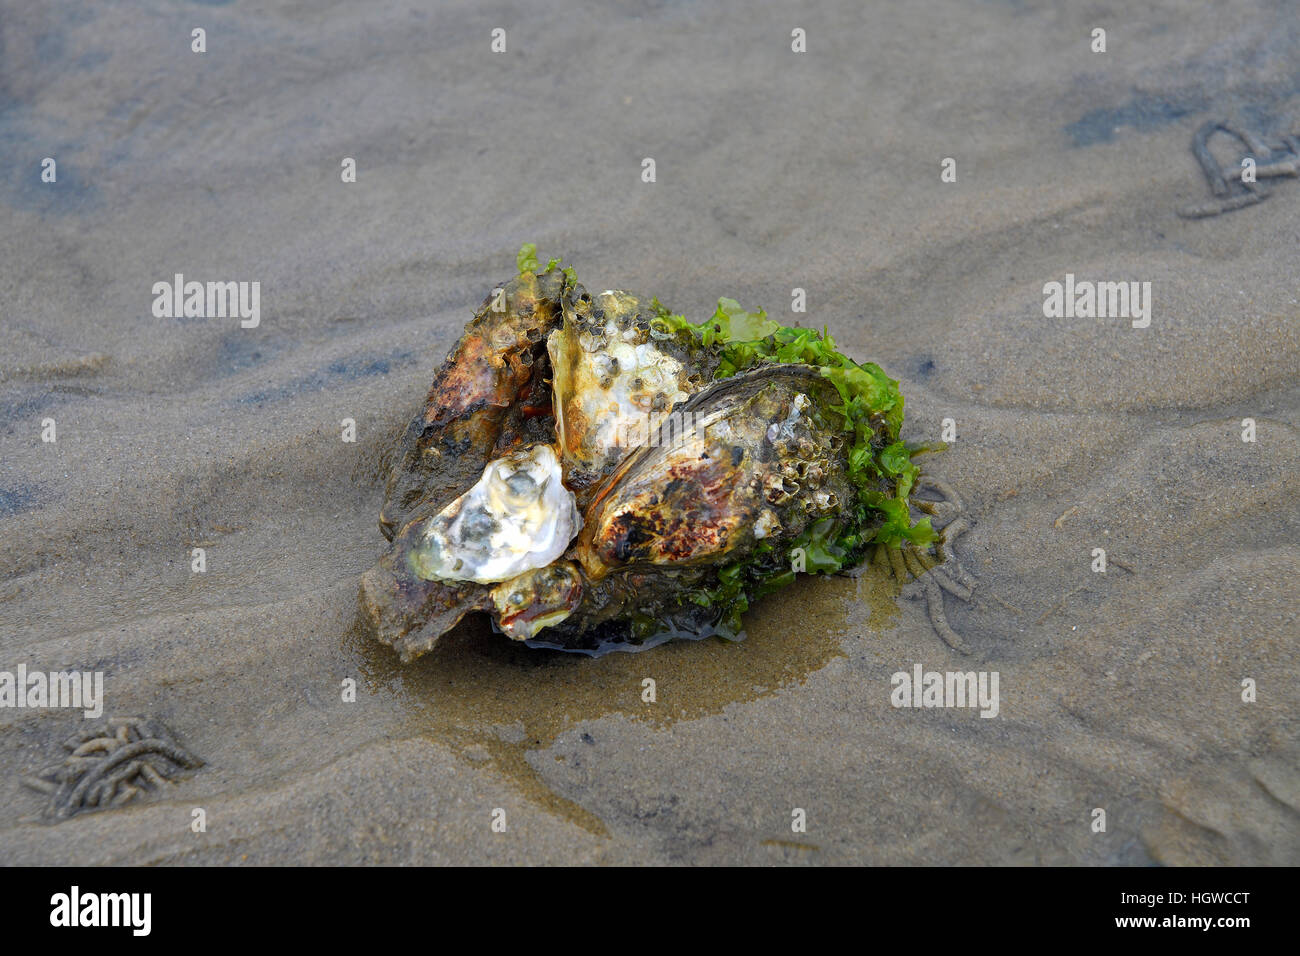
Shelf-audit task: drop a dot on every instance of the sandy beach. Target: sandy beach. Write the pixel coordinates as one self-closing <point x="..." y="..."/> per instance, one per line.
<point x="821" y="170"/>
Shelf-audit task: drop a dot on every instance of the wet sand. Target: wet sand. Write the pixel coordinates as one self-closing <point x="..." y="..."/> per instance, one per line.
<point x="774" y="170"/>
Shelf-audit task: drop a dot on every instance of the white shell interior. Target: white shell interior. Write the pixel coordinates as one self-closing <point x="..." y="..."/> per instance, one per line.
<point x="518" y="517"/>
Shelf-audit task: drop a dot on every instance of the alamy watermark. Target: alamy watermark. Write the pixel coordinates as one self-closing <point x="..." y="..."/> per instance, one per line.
<point x="24" y="688"/>
<point x="672" y="429"/>
<point x="75" y="908"/>
<point x="923" y="688"/>
<point x="211" y="300"/>
<point x="1098" y="300"/>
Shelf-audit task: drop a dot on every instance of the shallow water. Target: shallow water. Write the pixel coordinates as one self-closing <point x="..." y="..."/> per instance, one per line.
<point x="1119" y="690"/>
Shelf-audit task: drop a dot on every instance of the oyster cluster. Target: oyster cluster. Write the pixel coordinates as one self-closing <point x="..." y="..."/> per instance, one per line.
<point x="596" y="473"/>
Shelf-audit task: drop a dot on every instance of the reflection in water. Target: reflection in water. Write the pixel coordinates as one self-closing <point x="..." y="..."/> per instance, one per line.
<point x="481" y="694"/>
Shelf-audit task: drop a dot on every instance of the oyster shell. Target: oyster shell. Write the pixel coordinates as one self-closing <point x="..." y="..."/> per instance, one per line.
<point x="598" y="474"/>
<point x="535" y="600"/>
<point x="746" y="470"/>
<point x="517" y="518"/>
<point x="485" y="399"/>
<point x="615" y="380"/>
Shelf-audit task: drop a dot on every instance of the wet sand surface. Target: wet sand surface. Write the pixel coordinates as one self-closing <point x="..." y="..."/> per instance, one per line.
<point x="1119" y="690"/>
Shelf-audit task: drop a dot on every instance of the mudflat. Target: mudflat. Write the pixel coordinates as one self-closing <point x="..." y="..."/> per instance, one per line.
<point x="821" y="170"/>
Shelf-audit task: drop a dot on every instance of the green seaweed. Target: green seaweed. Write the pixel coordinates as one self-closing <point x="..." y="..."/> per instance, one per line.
<point x="526" y="261"/>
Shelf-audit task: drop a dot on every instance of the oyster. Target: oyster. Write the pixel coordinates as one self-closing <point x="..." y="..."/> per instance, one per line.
<point x="596" y="473"/>
<point x="757" y="454"/>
